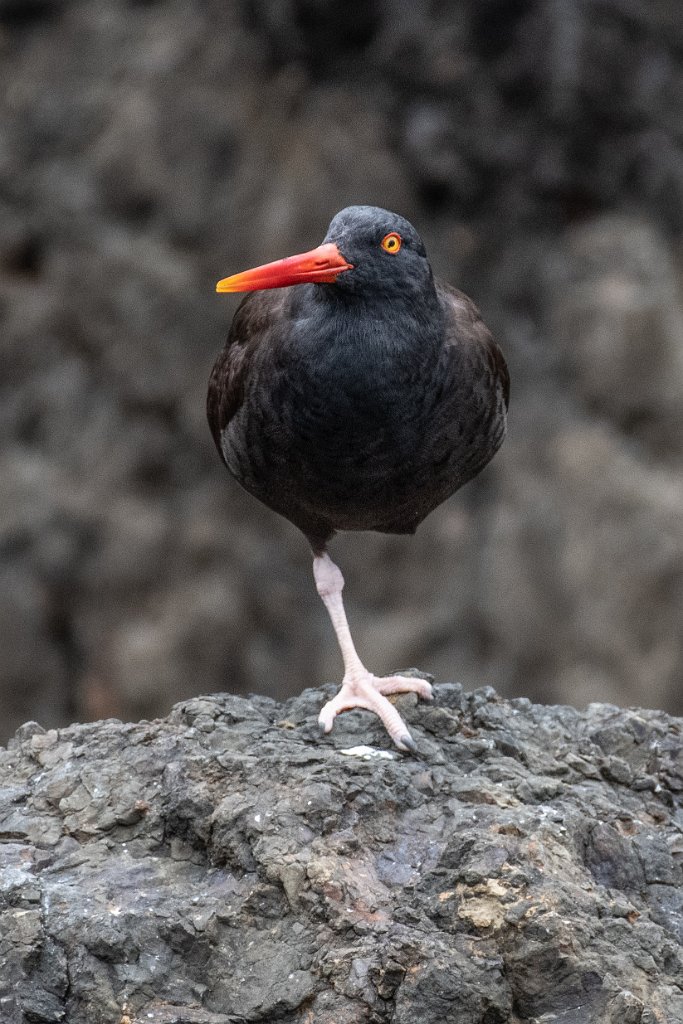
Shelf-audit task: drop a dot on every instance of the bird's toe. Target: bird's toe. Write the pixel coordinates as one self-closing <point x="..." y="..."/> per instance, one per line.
<point x="326" y="717"/>
<point x="404" y="684"/>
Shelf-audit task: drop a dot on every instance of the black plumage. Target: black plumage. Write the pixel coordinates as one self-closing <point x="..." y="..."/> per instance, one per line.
<point x="364" y="402"/>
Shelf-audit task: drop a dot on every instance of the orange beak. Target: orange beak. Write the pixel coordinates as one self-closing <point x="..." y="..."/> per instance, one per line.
<point x="323" y="264"/>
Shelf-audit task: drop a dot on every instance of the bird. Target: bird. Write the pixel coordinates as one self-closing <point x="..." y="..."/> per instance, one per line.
<point x="356" y="392"/>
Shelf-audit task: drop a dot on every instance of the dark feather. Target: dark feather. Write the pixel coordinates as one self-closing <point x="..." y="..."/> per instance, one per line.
<point x="257" y="317"/>
<point x="339" y="423"/>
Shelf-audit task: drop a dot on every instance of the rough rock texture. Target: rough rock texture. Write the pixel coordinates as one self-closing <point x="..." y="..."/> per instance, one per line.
<point x="227" y="865"/>
<point x="149" y="147"/>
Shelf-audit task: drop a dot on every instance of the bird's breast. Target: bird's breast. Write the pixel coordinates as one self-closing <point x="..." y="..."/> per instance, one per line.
<point x="355" y="408"/>
<point x="359" y="427"/>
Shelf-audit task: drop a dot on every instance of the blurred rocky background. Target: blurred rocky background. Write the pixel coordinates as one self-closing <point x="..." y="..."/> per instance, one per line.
<point x="149" y="148"/>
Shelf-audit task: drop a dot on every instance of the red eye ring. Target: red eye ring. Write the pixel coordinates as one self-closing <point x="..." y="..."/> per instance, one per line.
<point x="391" y="243"/>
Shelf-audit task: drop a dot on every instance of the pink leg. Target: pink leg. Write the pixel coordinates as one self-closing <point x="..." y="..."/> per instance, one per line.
<point x="360" y="689"/>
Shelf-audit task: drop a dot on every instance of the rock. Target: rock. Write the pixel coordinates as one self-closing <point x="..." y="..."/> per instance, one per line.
<point x="226" y="864"/>
<point x="562" y="571"/>
<point x="617" y="316"/>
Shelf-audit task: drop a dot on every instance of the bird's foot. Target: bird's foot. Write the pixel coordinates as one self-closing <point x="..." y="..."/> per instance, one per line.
<point x="361" y="689"/>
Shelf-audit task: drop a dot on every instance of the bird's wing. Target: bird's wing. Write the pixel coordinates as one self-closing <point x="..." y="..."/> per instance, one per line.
<point x="466" y="333"/>
<point x="256" y="316"/>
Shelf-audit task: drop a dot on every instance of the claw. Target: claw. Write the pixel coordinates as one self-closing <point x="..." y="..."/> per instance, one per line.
<point x="406" y="742"/>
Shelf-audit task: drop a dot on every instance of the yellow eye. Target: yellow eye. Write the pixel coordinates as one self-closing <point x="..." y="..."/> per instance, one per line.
<point x="391" y="242"/>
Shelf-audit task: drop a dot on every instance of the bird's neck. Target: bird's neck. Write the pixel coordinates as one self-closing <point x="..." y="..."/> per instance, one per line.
<point x="382" y="324"/>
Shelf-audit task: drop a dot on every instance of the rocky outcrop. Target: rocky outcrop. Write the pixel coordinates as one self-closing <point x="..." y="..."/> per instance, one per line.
<point x="226" y="864"/>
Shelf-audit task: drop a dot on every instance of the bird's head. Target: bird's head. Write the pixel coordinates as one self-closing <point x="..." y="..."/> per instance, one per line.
<point x="366" y="250"/>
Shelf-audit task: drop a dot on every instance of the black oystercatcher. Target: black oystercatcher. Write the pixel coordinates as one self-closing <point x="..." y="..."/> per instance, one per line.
<point x="358" y="400"/>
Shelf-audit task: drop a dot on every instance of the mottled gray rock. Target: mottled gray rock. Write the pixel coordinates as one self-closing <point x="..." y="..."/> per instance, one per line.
<point x="617" y="317"/>
<point x="226" y="864"/>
